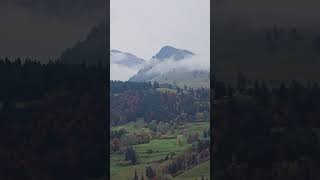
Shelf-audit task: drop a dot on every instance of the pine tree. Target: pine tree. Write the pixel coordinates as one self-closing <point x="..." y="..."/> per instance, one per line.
<point x="295" y="34"/>
<point x="275" y="32"/>
<point x="154" y="172"/>
<point x="241" y="82"/>
<point x="130" y="155"/>
<point x="148" y="172"/>
<point x="230" y="91"/>
<point x="135" y="176"/>
<point x="270" y="42"/>
<point x="155" y="84"/>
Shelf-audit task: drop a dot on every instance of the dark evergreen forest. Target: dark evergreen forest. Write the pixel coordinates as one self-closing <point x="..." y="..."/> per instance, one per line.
<point x="52" y="120"/>
<point x="263" y="131"/>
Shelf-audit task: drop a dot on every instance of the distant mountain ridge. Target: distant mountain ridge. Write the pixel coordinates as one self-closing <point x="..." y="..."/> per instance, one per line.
<point x="124" y="58"/>
<point x="173" y="73"/>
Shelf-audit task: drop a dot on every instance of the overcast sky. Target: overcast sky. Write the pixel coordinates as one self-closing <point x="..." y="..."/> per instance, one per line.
<point x="265" y="13"/>
<point x="142" y="27"/>
<point x="44" y="28"/>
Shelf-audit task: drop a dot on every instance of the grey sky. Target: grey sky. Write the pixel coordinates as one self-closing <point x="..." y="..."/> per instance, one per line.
<point x="268" y="12"/>
<point x="44" y="28"/>
<point x="142" y="27"/>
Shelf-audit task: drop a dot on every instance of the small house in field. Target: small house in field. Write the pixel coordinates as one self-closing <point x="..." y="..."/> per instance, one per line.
<point x="179" y="140"/>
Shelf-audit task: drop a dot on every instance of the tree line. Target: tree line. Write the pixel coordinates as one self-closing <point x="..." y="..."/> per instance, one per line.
<point x="25" y="80"/>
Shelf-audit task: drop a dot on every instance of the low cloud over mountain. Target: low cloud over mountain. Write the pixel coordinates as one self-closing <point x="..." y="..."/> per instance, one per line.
<point x="172" y="65"/>
<point x="169" y="65"/>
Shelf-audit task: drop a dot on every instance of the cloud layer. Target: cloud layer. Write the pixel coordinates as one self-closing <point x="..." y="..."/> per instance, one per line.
<point x="144" y="26"/>
<point x="121" y="72"/>
<point x="155" y="66"/>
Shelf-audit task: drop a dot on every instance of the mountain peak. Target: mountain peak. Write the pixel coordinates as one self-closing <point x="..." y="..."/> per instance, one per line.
<point x="167" y="52"/>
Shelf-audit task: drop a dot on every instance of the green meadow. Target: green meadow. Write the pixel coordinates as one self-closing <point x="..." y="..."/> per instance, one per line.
<point x="160" y="147"/>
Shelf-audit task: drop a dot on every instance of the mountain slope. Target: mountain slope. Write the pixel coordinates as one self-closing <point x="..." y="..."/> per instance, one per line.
<point x="91" y="50"/>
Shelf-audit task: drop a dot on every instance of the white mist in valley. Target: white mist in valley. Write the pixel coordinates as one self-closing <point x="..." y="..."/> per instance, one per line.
<point x="121" y="72"/>
<point x="124" y="65"/>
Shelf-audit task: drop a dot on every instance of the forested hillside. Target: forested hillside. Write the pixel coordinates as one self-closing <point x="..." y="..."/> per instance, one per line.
<point x="149" y="101"/>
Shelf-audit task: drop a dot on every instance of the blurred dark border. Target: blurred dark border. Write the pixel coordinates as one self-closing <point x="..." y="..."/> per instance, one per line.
<point x="107" y="44"/>
<point x="211" y="89"/>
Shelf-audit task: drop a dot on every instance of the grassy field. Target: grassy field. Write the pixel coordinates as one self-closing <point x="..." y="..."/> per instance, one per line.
<point x="160" y="148"/>
<point x="196" y="172"/>
<point x="132" y="127"/>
